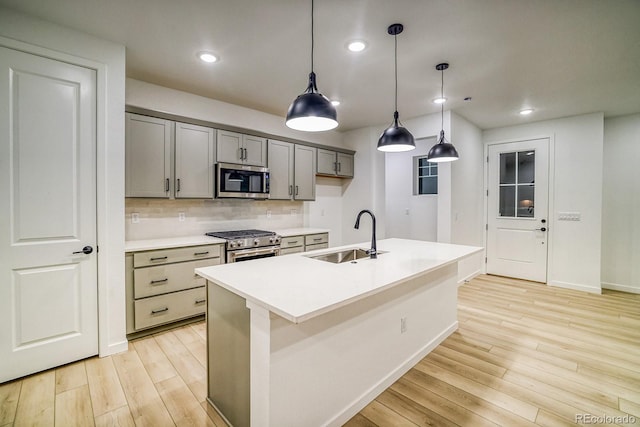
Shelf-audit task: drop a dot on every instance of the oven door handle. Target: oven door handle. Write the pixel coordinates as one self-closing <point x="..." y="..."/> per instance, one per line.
<point x="234" y="255"/>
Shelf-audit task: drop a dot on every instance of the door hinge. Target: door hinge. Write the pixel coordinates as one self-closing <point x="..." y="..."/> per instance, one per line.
<point x="487" y="193"/>
<point x="486" y="226"/>
<point x="487" y="159"/>
<point x="97" y="248"/>
<point x="485" y="260"/>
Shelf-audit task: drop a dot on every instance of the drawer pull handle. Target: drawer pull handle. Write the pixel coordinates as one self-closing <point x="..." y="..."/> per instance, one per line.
<point x="160" y="310"/>
<point x="317" y="239"/>
<point x="200" y="253"/>
<point x="155" y="282"/>
<point x="158" y="258"/>
<point x="200" y="301"/>
<point x="292" y="242"/>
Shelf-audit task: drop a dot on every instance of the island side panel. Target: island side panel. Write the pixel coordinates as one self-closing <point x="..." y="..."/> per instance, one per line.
<point x="228" y="353"/>
<point x="324" y="370"/>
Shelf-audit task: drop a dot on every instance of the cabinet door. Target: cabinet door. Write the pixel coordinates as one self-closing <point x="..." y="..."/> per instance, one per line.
<point x="304" y="173"/>
<point x="345" y="165"/>
<point x="228" y="147"/>
<point x="194" y="161"/>
<point x="280" y="155"/>
<point x="148" y="156"/>
<point x="255" y="150"/>
<point x="326" y="162"/>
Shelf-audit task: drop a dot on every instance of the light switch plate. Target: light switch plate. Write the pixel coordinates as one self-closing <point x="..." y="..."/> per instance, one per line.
<point x="135" y="218"/>
<point x="569" y="216"/>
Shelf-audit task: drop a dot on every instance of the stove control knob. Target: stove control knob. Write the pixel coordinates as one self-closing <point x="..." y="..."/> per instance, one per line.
<point x="232" y="244"/>
<point x="239" y="242"/>
<point x="256" y="242"/>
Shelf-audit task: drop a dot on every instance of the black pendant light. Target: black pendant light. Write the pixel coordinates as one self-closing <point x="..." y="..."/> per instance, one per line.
<point x="396" y="138"/>
<point x="443" y="151"/>
<point x="312" y="111"/>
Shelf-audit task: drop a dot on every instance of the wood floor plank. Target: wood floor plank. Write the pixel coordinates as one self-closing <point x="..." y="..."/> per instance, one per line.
<point x="359" y="420"/>
<point x="145" y="404"/>
<point x="73" y="408"/>
<point x="382" y="415"/>
<point x="630" y="408"/>
<point x="192" y="371"/>
<point x="193" y="342"/>
<point x="70" y="376"/>
<point x="213" y="414"/>
<point x="154" y="360"/>
<point x="104" y="385"/>
<point x="9" y="396"/>
<point x="548" y="419"/>
<point x="411" y="410"/>
<point x="182" y="404"/>
<point x="36" y="407"/>
<point x="120" y="417"/>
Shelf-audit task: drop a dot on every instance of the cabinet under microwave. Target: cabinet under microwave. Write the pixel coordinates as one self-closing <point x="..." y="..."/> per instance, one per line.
<point x="241" y="181"/>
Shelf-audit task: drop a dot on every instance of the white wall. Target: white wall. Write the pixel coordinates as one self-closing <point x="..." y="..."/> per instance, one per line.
<point x="409" y="216"/>
<point x="108" y="59"/>
<point x="575" y="178"/>
<point x="171" y="101"/>
<point x="621" y="204"/>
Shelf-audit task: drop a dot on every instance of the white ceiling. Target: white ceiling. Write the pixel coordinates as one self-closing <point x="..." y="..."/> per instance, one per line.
<point x="561" y="57"/>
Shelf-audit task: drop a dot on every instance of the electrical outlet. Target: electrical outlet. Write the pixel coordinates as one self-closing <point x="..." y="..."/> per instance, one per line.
<point x="181" y="216"/>
<point x="403" y="325"/>
<point x="135" y="218"/>
<point x="406" y="211"/>
<point x="268" y="213"/>
<point x="294" y="212"/>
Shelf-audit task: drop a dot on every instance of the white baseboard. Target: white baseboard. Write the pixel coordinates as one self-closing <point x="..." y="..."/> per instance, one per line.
<point x="114" y="348"/>
<point x="357" y="405"/>
<point x="621" y="288"/>
<point x="575" y="286"/>
<point x="469" y="277"/>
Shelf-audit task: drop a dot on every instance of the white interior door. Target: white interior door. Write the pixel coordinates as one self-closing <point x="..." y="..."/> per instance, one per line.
<point x="517" y="228"/>
<point x="48" y="286"/>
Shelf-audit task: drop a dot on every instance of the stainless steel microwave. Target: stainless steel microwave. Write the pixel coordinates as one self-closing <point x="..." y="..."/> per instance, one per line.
<point x="241" y="181"/>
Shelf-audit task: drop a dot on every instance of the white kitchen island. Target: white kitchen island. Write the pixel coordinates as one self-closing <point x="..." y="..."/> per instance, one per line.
<point x="297" y="341"/>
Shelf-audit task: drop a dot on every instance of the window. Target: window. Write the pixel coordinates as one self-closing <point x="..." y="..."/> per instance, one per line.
<point x="425" y="176"/>
<point x="517" y="184"/>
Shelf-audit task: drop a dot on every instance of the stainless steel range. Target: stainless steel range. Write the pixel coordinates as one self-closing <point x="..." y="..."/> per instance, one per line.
<point x="244" y="245"/>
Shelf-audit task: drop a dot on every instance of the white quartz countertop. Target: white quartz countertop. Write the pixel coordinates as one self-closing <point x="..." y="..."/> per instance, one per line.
<point x="170" y="242"/>
<point x="299" y="288"/>
<point x="288" y="232"/>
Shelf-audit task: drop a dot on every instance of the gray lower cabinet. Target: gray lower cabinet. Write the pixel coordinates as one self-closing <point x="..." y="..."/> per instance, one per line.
<point x="303" y="243"/>
<point x="292" y="171"/>
<point x="162" y="287"/>
<point x="333" y="163"/>
<point x="166" y="159"/>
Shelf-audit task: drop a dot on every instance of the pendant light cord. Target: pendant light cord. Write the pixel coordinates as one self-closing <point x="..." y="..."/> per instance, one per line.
<point x="312" y="36"/>
<point x="442" y="97"/>
<point x="395" y="39"/>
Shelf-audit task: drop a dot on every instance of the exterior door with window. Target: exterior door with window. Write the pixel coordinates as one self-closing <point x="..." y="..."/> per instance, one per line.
<point x="48" y="262"/>
<point x="517" y="226"/>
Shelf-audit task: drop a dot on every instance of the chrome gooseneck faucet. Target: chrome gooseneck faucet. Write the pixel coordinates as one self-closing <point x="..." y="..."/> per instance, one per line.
<point x="373" y="252"/>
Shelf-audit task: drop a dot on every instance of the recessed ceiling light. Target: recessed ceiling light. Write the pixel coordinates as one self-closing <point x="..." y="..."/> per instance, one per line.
<point x="207" y="57"/>
<point x="335" y="103"/>
<point x="356" y="46"/>
<point x="526" y="111"/>
<point x="440" y="100"/>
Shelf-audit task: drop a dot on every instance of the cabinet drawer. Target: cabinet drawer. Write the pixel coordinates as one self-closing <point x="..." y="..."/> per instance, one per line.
<point x="314" y="247"/>
<point x="167" y="308"/>
<point x="162" y="279"/>
<point x="164" y="256"/>
<point x="293" y="250"/>
<point x="315" y="239"/>
<point x="291" y="242"/>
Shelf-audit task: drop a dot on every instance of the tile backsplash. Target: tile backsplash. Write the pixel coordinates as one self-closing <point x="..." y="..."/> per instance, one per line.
<point x="157" y="218"/>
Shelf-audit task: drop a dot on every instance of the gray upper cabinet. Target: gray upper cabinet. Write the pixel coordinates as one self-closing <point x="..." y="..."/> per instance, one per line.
<point x="304" y="176"/>
<point x="148" y="156"/>
<point x="291" y="168"/>
<point x="239" y="148"/>
<point x="332" y="163"/>
<point x="167" y="159"/>
<point x="195" y="159"/>
<point x="280" y="170"/>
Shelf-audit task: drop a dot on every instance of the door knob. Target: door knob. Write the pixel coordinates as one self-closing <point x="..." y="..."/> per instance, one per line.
<point x="541" y="229"/>
<point x="86" y="250"/>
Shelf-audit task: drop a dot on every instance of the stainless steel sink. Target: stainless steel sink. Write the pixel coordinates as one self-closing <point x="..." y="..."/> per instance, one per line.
<point x="345" y="255"/>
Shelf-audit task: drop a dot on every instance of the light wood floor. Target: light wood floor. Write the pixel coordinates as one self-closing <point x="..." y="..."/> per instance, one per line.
<point x="525" y="354"/>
